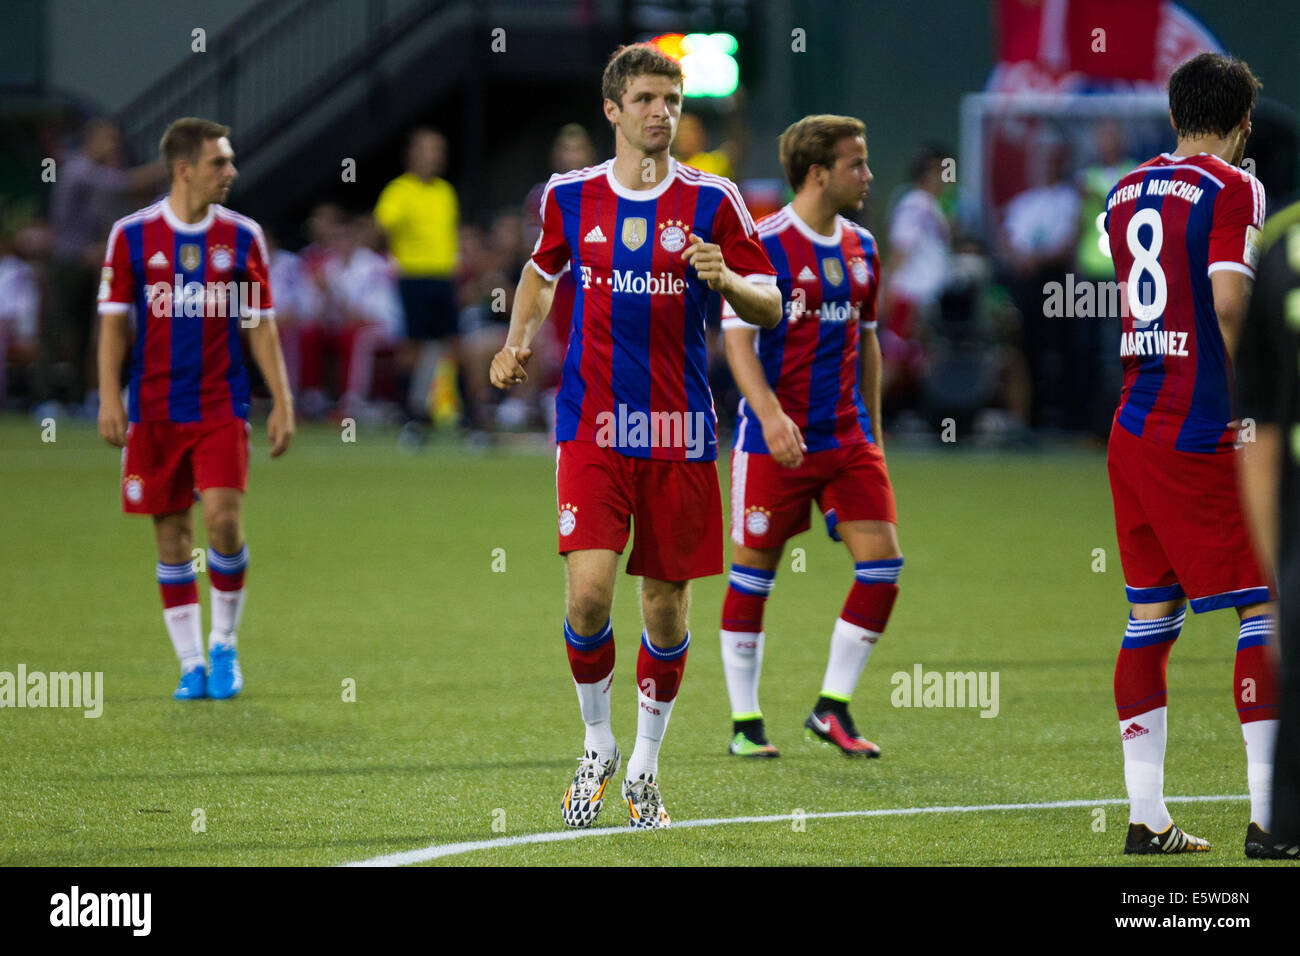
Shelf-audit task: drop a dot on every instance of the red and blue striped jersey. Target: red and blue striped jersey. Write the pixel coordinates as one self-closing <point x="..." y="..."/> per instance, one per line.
<point x="635" y="374"/>
<point x="1171" y="223"/>
<point x="190" y="285"/>
<point x="829" y="286"/>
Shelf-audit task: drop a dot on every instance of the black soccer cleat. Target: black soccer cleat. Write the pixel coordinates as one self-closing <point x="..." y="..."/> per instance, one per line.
<point x="1260" y="846"/>
<point x="1141" y="839"/>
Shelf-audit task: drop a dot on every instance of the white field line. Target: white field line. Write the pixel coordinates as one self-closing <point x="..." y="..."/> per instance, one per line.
<point x="439" y="850"/>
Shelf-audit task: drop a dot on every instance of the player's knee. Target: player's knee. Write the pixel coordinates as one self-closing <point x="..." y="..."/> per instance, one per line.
<point x="588" y="611"/>
<point x="224" y="530"/>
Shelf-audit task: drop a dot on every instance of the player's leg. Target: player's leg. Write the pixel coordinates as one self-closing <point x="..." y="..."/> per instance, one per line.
<point x="877" y="563"/>
<point x="753" y="573"/>
<point x="660" y="664"/>
<point x="221" y="475"/>
<point x="858" y="504"/>
<point x="1255" y="688"/>
<point x="174" y="534"/>
<point x="1154" y="623"/>
<point x="594" y="521"/>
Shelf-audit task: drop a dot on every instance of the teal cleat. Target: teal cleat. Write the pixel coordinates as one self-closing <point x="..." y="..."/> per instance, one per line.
<point x="225" y="679"/>
<point x="193" y="685"/>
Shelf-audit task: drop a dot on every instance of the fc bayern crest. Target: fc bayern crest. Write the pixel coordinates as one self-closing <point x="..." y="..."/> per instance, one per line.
<point x="190" y="257"/>
<point x="833" y="270"/>
<point x="858" y="268"/>
<point x="133" y="487"/>
<point x="672" y="238"/>
<point x="222" y="258"/>
<point x="633" y="233"/>
<point x="568" y="520"/>
<point x="757" y="522"/>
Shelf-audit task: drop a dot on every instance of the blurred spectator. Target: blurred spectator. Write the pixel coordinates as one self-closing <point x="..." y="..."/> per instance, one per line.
<point x="297" y="303"/>
<point x="919" y="252"/>
<point x="692" y="147"/>
<point x="419" y="213"/>
<point x="91" y="190"/>
<point x="1039" y="228"/>
<point x="360" y="314"/>
<point x="20" y="305"/>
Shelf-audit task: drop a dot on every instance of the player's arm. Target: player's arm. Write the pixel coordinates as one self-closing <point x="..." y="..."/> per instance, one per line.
<point x="264" y="343"/>
<point x="754" y="302"/>
<point x="533" y="299"/>
<point x="1259" y="463"/>
<point x="114" y="338"/>
<point x="869" y="349"/>
<point x="1231" y="300"/>
<point x="779" y="431"/>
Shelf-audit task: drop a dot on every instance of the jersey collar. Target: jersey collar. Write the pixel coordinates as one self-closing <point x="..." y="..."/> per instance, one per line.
<point x="807" y="232"/>
<point x="641" y="195"/>
<point x="177" y="225"/>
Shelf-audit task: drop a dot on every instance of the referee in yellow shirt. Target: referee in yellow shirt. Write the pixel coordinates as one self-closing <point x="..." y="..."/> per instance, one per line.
<point x="420" y="214"/>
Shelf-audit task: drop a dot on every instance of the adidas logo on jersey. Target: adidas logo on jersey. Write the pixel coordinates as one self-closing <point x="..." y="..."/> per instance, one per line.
<point x="806" y="275"/>
<point x="595" y="235"/>
<point x="158" y="261"/>
<point x="1133" y="731"/>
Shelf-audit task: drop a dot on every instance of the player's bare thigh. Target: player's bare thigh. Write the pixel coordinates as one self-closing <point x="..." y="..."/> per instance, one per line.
<point x="1254" y="610"/>
<point x="762" y="559"/>
<point x="589" y="582"/>
<point x="665" y="606"/>
<point x="221" y="518"/>
<point x="870" y="540"/>
<point x="1149" y="612"/>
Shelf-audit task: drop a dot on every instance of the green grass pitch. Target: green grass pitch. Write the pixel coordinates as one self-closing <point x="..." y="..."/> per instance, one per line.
<point x="375" y="566"/>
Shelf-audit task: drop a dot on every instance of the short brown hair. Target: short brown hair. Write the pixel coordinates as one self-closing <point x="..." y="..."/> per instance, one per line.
<point x="632" y="61"/>
<point x="1210" y="94"/>
<point x="185" y="137"/>
<point x="811" y="141"/>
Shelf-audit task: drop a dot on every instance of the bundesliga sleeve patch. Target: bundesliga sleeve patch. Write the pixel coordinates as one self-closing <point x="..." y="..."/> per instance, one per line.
<point x="1250" y="255"/>
<point x="105" y="283"/>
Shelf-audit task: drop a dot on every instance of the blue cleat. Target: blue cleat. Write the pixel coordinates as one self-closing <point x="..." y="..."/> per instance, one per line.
<point x="225" y="679"/>
<point x="193" y="685"/>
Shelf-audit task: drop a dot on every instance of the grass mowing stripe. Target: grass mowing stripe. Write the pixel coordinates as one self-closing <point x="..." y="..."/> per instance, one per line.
<point x="438" y="851"/>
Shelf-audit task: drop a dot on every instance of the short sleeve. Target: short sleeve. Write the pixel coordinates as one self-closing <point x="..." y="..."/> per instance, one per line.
<point x="736" y="236"/>
<point x="257" y="274"/>
<point x="117" y="278"/>
<point x="551" y="253"/>
<point x="1235" y="229"/>
<point x="868" y="318"/>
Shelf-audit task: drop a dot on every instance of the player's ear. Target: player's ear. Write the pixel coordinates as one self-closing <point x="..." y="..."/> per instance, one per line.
<point x="612" y="110"/>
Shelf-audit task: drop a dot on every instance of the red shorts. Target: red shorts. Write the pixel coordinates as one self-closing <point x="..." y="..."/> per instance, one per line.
<point x="1181" y="529"/>
<point x="676" y="506"/>
<point x="164" y="463"/>
<point x="770" y="503"/>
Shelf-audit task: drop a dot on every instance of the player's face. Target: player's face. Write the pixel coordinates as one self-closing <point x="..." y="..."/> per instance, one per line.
<point x="849" y="179"/>
<point x="649" y="113"/>
<point x="212" y="174"/>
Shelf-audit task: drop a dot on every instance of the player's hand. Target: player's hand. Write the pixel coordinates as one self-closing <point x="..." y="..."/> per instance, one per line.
<point x="280" y="428"/>
<point x="112" y="419"/>
<point x="706" y="259"/>
<point x="784" y="440"/>
<point x="508" y="366"/>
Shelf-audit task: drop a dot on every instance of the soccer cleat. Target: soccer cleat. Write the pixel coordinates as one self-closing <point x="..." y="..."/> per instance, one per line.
<point x="1141" y="839"/>
<point x="586" y="795"/>
<point x="832" y="728"/>
<point x="1260" y="846"/>
<point x="225" y="679"/>
<point x="750" y="740"/>
<point x="644" y="805"/>
<point x="193" y="685"/>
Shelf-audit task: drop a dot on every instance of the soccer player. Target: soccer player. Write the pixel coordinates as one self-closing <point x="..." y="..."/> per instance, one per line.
<point x="1183" y="231"/>
<point x="805" y="433"/>
<point x="647" y="238"/>
<point x="194" y="272"/>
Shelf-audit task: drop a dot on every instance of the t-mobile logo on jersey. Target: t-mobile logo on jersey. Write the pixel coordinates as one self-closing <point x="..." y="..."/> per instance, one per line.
<point x="630" y="428"/>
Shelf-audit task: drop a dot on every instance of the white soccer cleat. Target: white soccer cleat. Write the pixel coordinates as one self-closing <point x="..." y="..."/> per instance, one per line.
<point x="586" y="795"/>
<point x="644" y="805"/>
